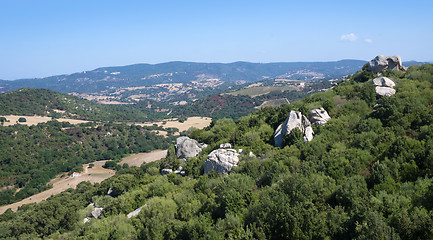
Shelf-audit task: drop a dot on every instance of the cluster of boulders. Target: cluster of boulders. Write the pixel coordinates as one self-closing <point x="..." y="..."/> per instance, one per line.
<point x="381" y="63"/>
<point x="221" y="160"/>
<point x="384" y="86"/>
<point x="295" y="119"/>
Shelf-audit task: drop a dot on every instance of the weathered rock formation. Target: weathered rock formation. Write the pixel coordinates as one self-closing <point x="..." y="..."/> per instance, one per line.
<point x="221" y="160"/>
<point x="97" y="212"/>
<point x="294" y="120"/>
<point x="382" y="63"/>
<point x="187" y="147"/>
<point x="384" y="86"/>
<point x="319" y="116"/>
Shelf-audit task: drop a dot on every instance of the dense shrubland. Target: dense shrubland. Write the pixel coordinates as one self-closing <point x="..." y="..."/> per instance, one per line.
<point x="367" y="174"/>
<point x="32" y="155"/>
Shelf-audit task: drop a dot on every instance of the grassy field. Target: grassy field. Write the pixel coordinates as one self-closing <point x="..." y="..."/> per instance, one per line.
<point x="257" y="91"/>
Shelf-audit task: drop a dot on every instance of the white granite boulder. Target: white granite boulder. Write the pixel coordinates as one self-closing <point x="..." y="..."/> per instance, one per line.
<point x="221" y="160"/>
<point x="294" y="120"/>
<point x="384" y="86"/>
<point x="187" y="147"/>
<point x="385" y="91"/>
<point x="319" y="116"/>
<point x="381" y="63"/>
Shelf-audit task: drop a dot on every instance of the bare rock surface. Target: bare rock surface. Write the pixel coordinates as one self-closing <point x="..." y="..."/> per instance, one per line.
<point x="97" y="212"/>
<point x="385" y="91"/>
<point x="294" y="120"/>
<point x="381" y="63"/>
<point x="384" y="86"/>
<point x="187" y="147"/>
<point x="383" y="82"/>
<point x="221" y="160"/>
<point x="319" y="116"/>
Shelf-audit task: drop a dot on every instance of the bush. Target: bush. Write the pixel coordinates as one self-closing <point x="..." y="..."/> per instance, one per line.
<point x="21" y="119"/>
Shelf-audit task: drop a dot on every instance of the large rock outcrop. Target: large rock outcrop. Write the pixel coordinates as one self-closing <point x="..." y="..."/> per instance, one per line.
<point x="382" y="63"/>
<point x="187" y="147"/>
<point x="294" y="120"/>
<point x="319" y="116"/>
<point x="384" y="86"/>
<point x="221" y="160"/>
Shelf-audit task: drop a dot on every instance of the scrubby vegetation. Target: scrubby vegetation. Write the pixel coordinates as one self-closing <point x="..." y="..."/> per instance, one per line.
<point x="367" y="174"/>
<point x="31" y="156"/>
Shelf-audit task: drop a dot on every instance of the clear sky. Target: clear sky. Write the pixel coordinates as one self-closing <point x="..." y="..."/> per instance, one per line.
<point x="43" y="38"/>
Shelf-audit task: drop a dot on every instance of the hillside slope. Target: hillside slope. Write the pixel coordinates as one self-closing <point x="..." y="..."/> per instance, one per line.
<point x="366" y="174"/>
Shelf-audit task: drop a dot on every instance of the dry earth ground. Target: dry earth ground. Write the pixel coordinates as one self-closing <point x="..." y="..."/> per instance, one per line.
<point x="198" y="122"/>
<point x="34" y="120"/>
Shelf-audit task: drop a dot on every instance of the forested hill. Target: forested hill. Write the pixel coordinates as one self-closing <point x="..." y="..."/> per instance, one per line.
<point x="43" y="102"/>
<point x="366" y="174"/>
<point x="108" y="78"/>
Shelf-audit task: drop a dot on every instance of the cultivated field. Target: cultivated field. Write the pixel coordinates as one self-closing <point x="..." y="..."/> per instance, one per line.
<point x="34" y="120"/>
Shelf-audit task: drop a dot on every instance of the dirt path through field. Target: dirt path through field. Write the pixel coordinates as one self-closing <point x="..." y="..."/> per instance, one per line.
<point x="140" y="158"/>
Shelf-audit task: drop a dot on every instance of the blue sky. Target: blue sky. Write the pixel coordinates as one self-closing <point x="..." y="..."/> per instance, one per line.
<point x="43" y="38"/>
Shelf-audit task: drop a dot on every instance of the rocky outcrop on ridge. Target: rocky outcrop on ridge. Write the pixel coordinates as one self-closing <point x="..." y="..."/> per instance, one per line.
<point x="187" y="147"/>
<point x="294" y="120"/>
<point x="381" y="63"/>
<point x="319" y="116"/>
<point x="221" y="160"/>
<point x="384" y="86"/>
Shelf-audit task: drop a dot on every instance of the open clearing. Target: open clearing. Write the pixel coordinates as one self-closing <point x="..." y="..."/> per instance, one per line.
<point x="197" y="122"/>
<point x="257" y="91"/>
<point x="96" y="174"/>
<point x="140" y="158"/>
<point x="34" y="120"/>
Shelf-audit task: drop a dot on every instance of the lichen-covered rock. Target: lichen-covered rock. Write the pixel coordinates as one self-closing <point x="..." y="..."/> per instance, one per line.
<point x="381" y="63"/>
<point x="221" y="160"/>
<point x="319" y="116"/>
<point x="294" y="120"/>
<point x="187" y="147"/>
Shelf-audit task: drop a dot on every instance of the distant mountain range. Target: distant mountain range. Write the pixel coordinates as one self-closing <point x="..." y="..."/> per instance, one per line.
<point x="137" y="75"/>
<point x="180" y="81"/>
